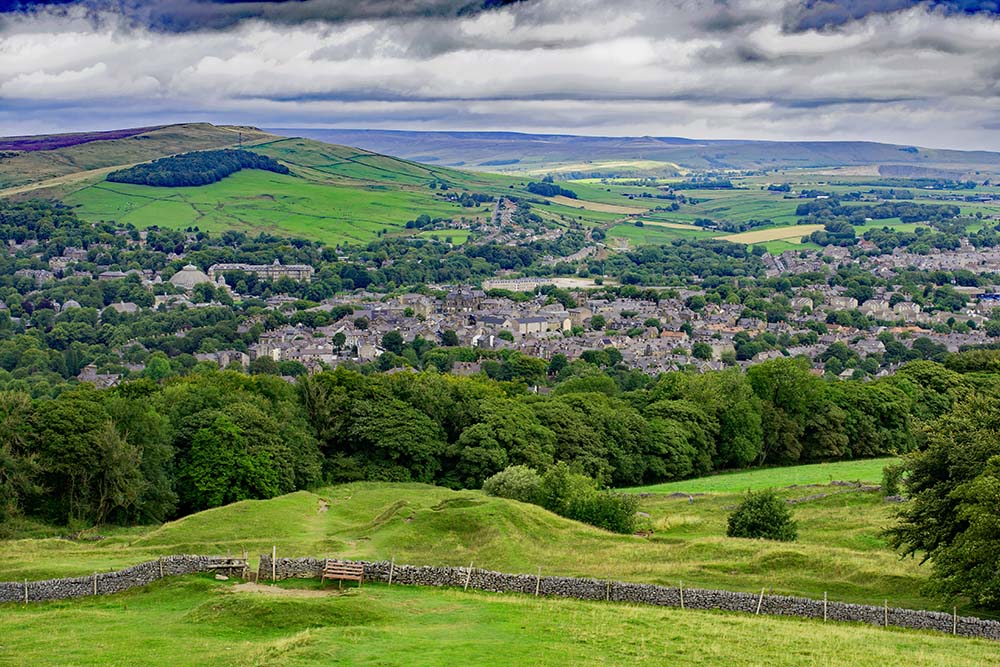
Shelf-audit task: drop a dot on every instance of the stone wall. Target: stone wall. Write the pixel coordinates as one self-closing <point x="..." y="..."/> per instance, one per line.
<point x="142" y="574"/>
<point x="617" y="591"/>
<point x="106" y="583"/>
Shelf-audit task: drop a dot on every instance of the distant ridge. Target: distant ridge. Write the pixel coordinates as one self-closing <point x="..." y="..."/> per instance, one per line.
<point x="519" y="152"/>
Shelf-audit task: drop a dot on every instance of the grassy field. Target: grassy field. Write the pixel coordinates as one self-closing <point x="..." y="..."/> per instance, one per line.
<point x="198" y="621"/>
<point x="39" y="167"/>
<point x="864" y="470"/>
<point x="596" y="206"/>
<point x="772" y="234"/>
<point x="656" y="234"/>
<point x="840" y="550"/>
<point x="335" y="194"/>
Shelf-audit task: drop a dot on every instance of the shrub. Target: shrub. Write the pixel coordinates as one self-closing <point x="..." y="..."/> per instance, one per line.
<point x="515" y="482"/>
<point x="560" y="487"/>
<point x="606" y="509"/>
<point x="892" y="479"/>
<point x="576" y="497"/>
<point x="762" y="514"/>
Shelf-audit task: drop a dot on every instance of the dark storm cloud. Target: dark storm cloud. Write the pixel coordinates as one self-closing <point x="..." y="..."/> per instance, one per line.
<point x="891" y="70"/>
<point x="819" y="14"/>
<point x="188" y="15"/>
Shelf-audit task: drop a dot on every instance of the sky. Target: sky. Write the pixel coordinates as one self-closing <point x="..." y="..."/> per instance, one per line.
<point x="921" y="73"/>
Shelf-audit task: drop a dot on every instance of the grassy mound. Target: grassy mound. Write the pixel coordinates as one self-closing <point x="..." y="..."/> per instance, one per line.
<point x="840" y="550"/>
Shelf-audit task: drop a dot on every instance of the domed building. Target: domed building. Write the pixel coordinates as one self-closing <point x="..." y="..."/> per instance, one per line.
<point x="188" y="277"/>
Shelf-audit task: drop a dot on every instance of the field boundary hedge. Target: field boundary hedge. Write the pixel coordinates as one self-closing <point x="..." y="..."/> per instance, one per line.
<point x="527" y="584"/>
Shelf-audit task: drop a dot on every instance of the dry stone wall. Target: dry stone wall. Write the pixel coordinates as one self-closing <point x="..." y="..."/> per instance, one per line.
<point x="106" y="583"/>
<point x="634" y="593"/>
<point x="142" y="574"/>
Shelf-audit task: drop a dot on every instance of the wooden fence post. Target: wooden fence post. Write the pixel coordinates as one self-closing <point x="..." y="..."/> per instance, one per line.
<point x="886" y="612"/>
<point x="274" y="563"/>
<point x="681" y="589"/>
<point x="607" y="592"/>
<point x="25" y="591"/>
<point x="392" y="566"/>
<point x="538" y="581"/>
<point x="760" y="600"/>
<point x="468" y="577"/>
<point x="160" y="561"/>
<point x="824" y="605"/>
<point x="954" y="620"/>
<point x="95" y="583"/>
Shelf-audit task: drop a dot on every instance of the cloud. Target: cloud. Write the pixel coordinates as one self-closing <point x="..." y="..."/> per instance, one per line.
<point x="197" y="15"/>
<point x="911" y="73"/>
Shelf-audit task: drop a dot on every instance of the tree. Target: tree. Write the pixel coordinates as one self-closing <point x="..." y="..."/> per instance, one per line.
<point x="449" y="338"/>
<point x="952" y="517"/>
<point x="17" y="468"/>
<point x="516" y="483"/>
<point x="264" y="365"/>
<point x="393" y="342"/>
<point x="157" y="367"/>
<point x="701" y="351"/>
<point x="762" y="514"/>
<point x="90" y="470"/>
<point x="598" y="322"/>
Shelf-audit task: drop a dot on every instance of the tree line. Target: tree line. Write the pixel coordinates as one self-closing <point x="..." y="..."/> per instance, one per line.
<point x="197" y="168"/>
<point x="147" y="451"/>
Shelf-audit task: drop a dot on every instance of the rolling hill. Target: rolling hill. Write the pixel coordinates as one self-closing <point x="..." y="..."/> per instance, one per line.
<point x="55" y="162"/>
<point x="582" y="156"/>
<point x="334" y="194"/>
<point x="194" y="620"/>
<point x="840" y="550"/>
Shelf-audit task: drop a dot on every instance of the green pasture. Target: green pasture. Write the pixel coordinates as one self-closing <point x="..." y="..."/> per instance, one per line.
<point x="256" y="201"/>
<point x="841" y="550"/>
<point x="862" y="470"/>
<point x="198" y="621"/>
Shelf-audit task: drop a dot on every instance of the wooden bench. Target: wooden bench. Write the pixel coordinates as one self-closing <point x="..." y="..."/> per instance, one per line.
<point x="341" y="571"/>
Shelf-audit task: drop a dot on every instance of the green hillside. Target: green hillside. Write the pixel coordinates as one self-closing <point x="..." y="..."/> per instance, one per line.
<point x="23" y="168"/>
<point x="335" y="194"/>
<point x="197" y="620"/>
<point x="840" y="550"/>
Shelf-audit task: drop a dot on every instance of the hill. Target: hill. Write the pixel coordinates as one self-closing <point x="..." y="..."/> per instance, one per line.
<point x="840" y="550"/>
<point x="334" y="194"/>
<point x="586" y="156"/>
<point x="30" y="164"/>
<point x="196" y="619"/>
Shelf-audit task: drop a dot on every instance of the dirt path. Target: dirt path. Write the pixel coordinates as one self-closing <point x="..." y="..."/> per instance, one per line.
<point x="62" y="180"/>
<point x="282" y="592"/>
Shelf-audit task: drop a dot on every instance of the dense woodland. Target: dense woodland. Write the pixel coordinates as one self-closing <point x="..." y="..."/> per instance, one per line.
<point x="148" y="451"/>
<point x="198" y="168"/>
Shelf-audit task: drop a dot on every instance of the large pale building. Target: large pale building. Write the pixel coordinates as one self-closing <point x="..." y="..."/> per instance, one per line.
<point x="273" y="271"/>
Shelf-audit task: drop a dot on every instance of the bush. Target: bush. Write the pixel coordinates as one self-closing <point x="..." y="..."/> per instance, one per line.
<point x="568" y="494"/>
<point x="607" y="510"/>
<point x="763" y="514"/>
<point x="892" y="479"/>
<point x="576" y="497"/>
<point x="516" y="483"/>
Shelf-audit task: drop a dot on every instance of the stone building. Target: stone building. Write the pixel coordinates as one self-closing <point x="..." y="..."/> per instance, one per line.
<point x="301" y="272"/>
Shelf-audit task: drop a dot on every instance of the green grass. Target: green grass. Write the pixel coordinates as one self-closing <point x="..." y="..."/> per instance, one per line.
<point x="840" y="550"/>
<point x="335" y="194"/>
<point x="34" y="166"/>
<point x="862" y="470"/>
<point x="197" y="621"/>
<point x="656" y="234"/>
